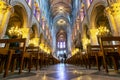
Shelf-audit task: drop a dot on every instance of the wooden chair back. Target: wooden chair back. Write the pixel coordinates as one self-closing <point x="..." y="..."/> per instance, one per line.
<point x="110" y="49"/>
<point x="21" y="44"/>
<point x="7" y="49"/>
<point x="34" y="51"/>
<point x="5" y="44"/>
<point x="92" y="50"/>
<point x="110" y="46"/>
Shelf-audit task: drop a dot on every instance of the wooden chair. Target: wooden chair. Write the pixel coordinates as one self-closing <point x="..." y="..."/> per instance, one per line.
<point x="41" y="60"/>
<point x="11" y="52"/>
<point x="5" y="53"/>
<point x="108" y="49"/>
<point x="19" y="51"/>
<point x="34" y="56"/>
<point x="94" y="56"/>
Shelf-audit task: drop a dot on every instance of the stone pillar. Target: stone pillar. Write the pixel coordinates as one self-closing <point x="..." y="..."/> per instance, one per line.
<point x="85" y="42"/>
<point x="93" y="36"/>
<point x="69" y="39"/>
<point x="34" y="41"/>
<point x="5" y="12"/>
<point x="54" y="40"/>
<point x="111" y="22"/>
<point x="25" y="34"/>
<point x="115" y="12"/>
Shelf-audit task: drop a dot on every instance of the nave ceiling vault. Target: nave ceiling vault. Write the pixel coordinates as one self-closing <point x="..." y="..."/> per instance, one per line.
<point x="60" y="12"/>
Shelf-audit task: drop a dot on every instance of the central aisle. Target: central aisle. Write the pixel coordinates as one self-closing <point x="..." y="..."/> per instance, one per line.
<point x="65" y="72"/>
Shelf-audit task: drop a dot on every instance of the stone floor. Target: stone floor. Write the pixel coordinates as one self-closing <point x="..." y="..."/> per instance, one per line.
<point x="64" y="72"/>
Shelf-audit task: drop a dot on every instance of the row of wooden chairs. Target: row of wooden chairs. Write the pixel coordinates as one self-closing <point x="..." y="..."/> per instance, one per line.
<point x="5" y="51"/>
<point x="107" y="53"/>
<point x="21" y="57"/>
<point x="78" y="59"/>
<point x="110" y="49"/>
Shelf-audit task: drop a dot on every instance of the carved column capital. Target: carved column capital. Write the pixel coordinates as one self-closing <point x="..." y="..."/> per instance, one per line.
<point x="107" y="10"/>
<point x="115" y="9"/>
<point x="4" y="7"/>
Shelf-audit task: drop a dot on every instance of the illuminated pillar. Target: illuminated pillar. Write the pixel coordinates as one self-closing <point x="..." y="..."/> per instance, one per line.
<point x="34" y="41"/>
<point x="111" y="22"/>
<point x="5" y="12"/>
<point x="25" y="34"/>
<point x="85" y="40"/>
<point x="115" y="12"/>
<point x="93" y="36"/>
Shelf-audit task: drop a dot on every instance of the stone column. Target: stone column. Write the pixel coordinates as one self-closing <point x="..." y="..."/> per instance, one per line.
<point x="85" y="42"/>
<point x="111" y="21"/>
<point x="34" y="41"/>
<point x="25" y="34"/>
<point x="5" y="12"/>
<point x="54" y="40"/>
<point x="93" y="36"/>
<point x="69" y="39"/>
<point x="115" y="12"/>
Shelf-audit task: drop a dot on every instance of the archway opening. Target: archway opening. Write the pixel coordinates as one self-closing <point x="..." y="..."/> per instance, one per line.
<point x="16" y="22"/>
<point x="102" y="22"/>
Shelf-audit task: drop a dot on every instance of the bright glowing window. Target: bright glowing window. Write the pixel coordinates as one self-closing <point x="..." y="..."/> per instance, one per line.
<point x="43" y="24"/>
<point x="58" y="45"/>
<point x="29" y="2"/>
<point x="61" y="45"/>
<point x="82" y="14"/>
<point x="38" y="16"/>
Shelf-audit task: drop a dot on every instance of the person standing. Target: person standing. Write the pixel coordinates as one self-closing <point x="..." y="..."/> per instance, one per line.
<point x="65" y="57"/>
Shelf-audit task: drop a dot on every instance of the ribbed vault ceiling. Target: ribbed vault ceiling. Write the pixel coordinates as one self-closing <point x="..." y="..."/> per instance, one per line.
<point x="60" y="12"/>
<point x="60" y="7"/>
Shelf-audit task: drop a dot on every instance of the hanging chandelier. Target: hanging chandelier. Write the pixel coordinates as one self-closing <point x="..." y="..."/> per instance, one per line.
<point x="102" y="31"/>
<point x="15" y="32"/>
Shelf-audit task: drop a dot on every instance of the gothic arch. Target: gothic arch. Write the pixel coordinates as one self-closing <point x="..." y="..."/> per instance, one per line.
<point x="93" y="11"/>
<point x="34" y="31"/>
<point x="24" y="10"/>
<point x="98" y="17"/>
<point x="18" y="18"/>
